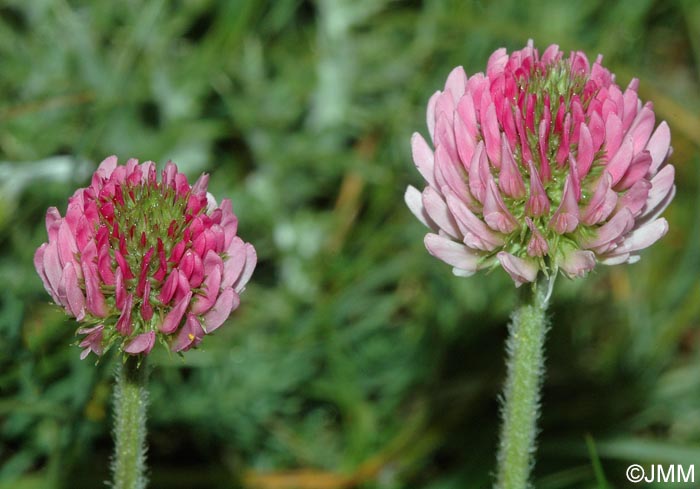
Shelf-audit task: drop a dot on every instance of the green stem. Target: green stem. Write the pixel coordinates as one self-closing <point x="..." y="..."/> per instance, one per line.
<point x="521" y="396"/>
<point x="130" y="403"/>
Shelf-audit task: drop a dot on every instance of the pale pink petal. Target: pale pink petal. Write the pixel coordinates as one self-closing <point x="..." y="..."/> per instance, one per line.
<point x="250" y="262"/>
<point x="414" y="201"/>
<point x="437" y="210"/>
<point x="519" y="269"/>
<point x="423" y="158"/>
<point x="452" y="253"/>
<point x="577" y="263"/>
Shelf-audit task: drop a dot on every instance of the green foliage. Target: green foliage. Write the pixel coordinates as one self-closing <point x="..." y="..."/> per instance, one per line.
<point x="355" y="359"/>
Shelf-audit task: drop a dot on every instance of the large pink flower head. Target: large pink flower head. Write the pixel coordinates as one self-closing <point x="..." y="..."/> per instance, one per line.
<point x="137" y="260"/>
<point x="542" y="164"/>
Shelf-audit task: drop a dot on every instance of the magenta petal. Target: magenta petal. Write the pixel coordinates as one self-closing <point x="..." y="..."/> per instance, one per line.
<point x="173" y="318"/>
<point x="519" y="269"/>
<point x="169" y="287"/>
<point x="228" y="301"/>
<point x="143" y="343"/>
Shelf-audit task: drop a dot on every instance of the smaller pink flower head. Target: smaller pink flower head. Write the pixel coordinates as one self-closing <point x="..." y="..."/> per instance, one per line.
<point x="137" y="259"/>
<point x="542" y="164"/>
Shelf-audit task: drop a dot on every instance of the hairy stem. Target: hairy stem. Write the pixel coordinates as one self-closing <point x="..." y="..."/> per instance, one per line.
<point x="521" y="396"/>
<point x="130" y="403"/>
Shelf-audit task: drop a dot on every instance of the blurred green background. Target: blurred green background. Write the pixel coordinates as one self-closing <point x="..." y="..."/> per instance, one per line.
<point x="355" y="360"/>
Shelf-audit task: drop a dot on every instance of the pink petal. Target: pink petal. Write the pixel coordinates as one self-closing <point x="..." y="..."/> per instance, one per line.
<point x="492" y="135"/>
<point x="601" y="203"/>
<point x="143" y="343"/>
<point x="658" y="146"/>
<point x="233" y="265"/>
<point x="213" y="267"/>
<point x="452" y="173"/>
<point x="509" y="179"/>
<point x="537" y="246"/>
<point x="40" y="269"/>
<point x="430" y="114"/>
<point x="414" y="201"/>
<point x="124" y="325"/>
<point x="107" y="166"/>
<point x="452" y="253"/>
<point x="190" y="335"/>
<point x="250" y="262"/>
<point x="228" y="301"/>
<point x="661" y="187"/>
<point x="619" y="163"/>
<point x="538" y="203"/>
<point x="641" y="127"/>
<point x="479" y="172"/>
<point x="636" y="197"/>
<point x="566" y="217"/>
<point x="173" y="318"/>
<point x="638" y="169"/>
<point x="619" y="225"/>
<point x="496" y="214"/>
<point x="520" y="270"/>
<point x="644" y="237"/>
<point x="476" y="233"/>
<point x="69" y="288"/>
<point x="613" y="135"/>
<point x="585" y="153"/>
<point x="52" y="267"/>
<point x="456" y="83"/>
<point x="423" y="158"/>
<point x="437" y="210"/>
<point x="577" y="263"/>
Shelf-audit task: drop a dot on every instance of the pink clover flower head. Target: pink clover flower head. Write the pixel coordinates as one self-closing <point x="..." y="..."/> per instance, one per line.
<point x="542" y="164"/>
<point x="138" y="259"/>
